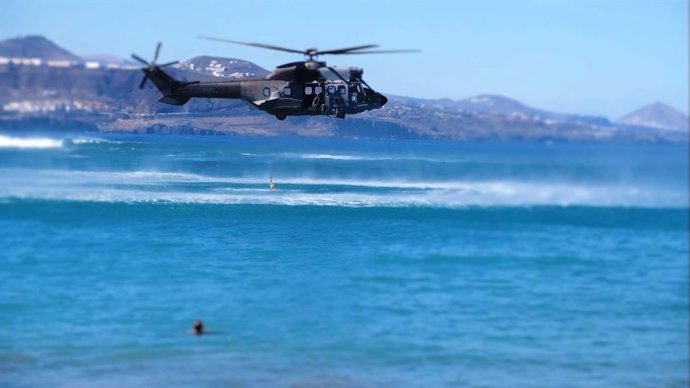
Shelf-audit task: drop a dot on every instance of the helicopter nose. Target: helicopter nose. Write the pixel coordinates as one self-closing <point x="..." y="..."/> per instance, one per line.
<point x="382" y="99"/>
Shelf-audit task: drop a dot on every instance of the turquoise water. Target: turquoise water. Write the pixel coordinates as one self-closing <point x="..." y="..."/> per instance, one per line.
<point x="374" y="263"/>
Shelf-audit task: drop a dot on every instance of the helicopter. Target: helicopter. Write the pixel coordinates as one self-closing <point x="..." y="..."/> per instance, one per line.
<point x="304" y="88"/>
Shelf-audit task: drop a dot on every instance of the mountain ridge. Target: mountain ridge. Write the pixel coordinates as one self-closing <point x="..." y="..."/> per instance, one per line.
<point x="221" y="67"/>
<point x="108" y="98"/>
<point x="657" y="115"/>
<point x="35" y="46"/>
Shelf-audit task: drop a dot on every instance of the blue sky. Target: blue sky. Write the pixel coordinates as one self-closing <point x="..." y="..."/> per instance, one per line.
<point x="578" y="56"/>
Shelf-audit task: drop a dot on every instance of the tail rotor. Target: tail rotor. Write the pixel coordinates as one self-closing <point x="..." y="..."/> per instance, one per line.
<point x="152" y="66"/>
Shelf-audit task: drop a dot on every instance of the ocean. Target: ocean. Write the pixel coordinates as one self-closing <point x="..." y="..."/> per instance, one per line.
<point x="374" y="263"/>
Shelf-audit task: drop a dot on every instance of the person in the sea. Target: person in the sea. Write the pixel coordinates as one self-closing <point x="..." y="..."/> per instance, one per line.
<point x="197" y="328"/>
<point x="271" y="185"/>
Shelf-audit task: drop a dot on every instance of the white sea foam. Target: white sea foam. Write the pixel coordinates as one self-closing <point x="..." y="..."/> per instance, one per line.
<point x="48" y="142"/>
<point x="452" y="200"/>
<point x="30" y="142"/>
<point x="152" y="186"/>
<point x="341" y="157"/>
<point x="92" y="140"/>
<point x="333" y="157"/>
<point x="295" y="155"/>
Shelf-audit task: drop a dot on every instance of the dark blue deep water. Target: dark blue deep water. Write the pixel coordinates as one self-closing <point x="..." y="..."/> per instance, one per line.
<point x="374" y="264"/>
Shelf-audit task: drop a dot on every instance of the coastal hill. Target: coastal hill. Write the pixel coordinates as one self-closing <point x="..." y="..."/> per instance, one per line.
<point x="34" y="47"/>
<point x="657" y="115"/>
<point x="224" y="67"/>
<point x="45" y="86"/>
<point x="501" y="105"/>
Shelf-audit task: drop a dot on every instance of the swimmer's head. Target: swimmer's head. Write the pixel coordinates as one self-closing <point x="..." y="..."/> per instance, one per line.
<point x="198" y="327"/>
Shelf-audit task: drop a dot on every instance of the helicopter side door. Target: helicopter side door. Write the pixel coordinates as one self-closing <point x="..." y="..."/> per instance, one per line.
<point x="313" y="97"/>
<point x="336" y="95"/>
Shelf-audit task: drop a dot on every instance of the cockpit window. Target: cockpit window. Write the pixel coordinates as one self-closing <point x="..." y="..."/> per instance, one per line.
<point x="318" y="90"/>
<point x="307" y="90"/>
<point x="327" y="74"/>
<point x="331" y="89"/>
<point x="267" y="92"/>
<point x="287" y="91"/>
<point x="342" y="90"/>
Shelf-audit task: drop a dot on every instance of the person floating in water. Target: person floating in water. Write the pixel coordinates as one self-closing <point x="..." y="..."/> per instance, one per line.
<point x="198" y="328"/>
<point x="271" y="185"/>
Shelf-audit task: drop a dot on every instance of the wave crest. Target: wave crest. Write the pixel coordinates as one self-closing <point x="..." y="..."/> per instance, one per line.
<point x="154" y="186"/>
<point x="30" y="142"/>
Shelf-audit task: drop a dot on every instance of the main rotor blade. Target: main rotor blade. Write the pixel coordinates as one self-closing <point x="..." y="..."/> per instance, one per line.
<point x="347" y="49"/>
<point x="169" y="64"/>
<point x="383" y="52"/>
<point x="260" y="45"/>
<point x="143" y="81"/>
<point x="158" y="50"/>
<point x="140" y="59"/>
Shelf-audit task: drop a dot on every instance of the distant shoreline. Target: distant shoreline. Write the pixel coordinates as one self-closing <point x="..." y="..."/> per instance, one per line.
<point x="199" y="125"/>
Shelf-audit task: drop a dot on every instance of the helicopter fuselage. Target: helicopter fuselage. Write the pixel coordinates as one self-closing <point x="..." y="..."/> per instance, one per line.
<point x="293" y="89"/>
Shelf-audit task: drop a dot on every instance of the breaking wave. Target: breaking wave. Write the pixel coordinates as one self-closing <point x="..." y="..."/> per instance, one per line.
<point x="331" y="156"/>
<point x="91" y="140"/>
<point x="153" y="186"/>
<point x="342" y="157"/>
<point x="48" y="142"/>
<point x="30" y="142"/>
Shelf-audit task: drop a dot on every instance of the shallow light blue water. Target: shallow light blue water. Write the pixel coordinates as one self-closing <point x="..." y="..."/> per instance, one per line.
<point x="374" y="264"/>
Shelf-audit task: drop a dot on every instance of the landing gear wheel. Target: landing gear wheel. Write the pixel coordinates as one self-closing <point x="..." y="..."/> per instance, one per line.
<point x="281" y="116"/>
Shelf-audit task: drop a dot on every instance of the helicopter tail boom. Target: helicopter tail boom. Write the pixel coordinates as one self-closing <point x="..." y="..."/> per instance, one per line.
<point x="178" y="93"/>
